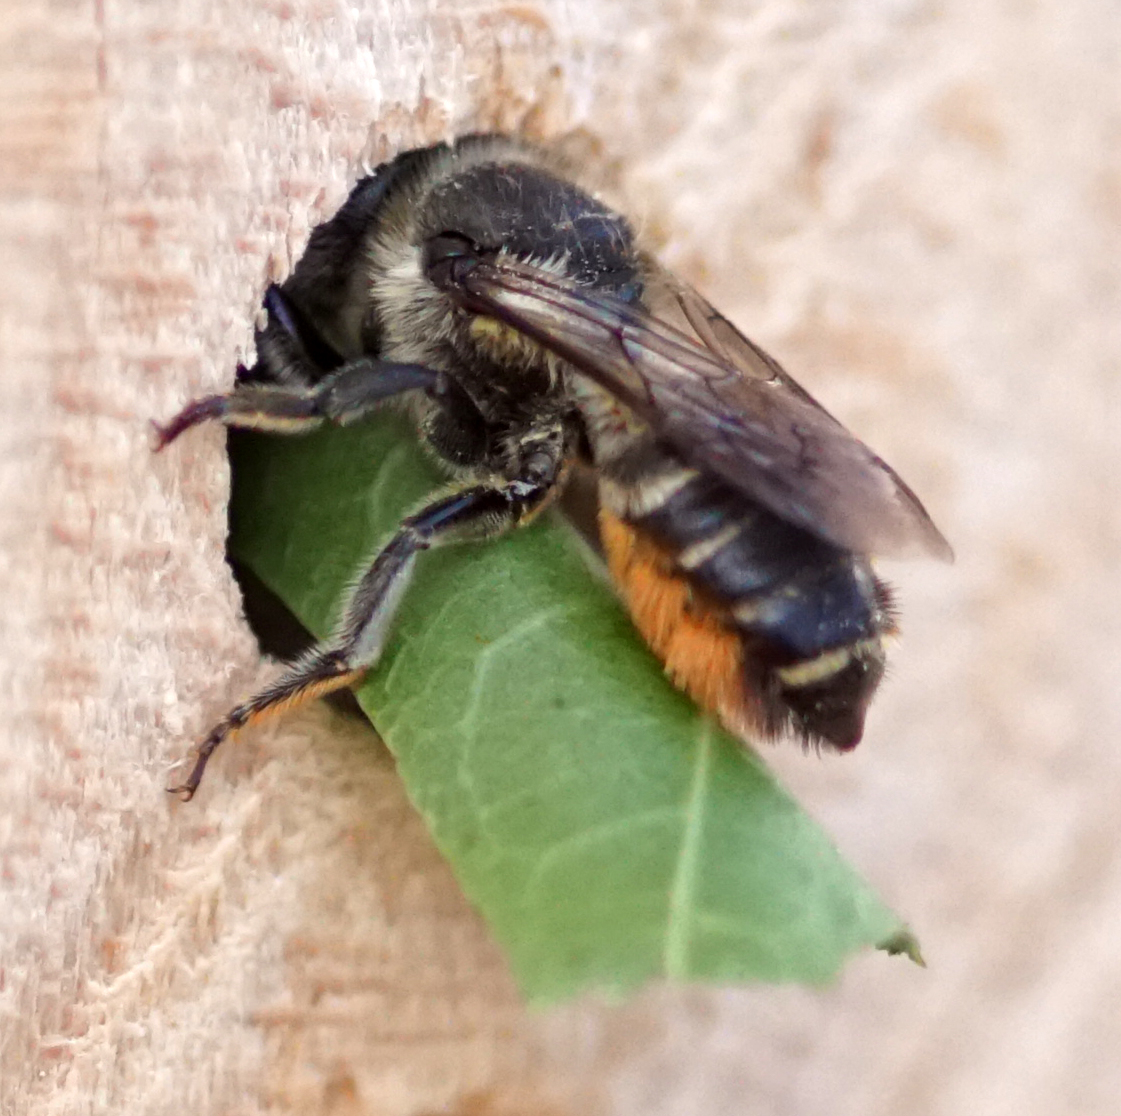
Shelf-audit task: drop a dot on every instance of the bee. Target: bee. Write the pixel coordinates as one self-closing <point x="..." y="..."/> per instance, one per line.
<point x="526" y="330"/>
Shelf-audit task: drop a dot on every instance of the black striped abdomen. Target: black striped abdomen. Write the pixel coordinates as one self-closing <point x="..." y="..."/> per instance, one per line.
<point x="807" y="618"/>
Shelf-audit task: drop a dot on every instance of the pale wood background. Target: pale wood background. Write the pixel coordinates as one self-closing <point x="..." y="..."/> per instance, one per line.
<point x="917" y="205"/>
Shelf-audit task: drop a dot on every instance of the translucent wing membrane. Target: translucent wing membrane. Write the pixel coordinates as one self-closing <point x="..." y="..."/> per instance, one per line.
<point x="722" y="403"/>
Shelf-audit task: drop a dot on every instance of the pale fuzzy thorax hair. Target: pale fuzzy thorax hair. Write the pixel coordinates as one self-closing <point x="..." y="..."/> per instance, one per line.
<point x="415" y="316"/>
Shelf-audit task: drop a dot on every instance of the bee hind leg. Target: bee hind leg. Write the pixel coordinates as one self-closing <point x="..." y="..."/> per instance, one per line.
<point x="476" y="512"/>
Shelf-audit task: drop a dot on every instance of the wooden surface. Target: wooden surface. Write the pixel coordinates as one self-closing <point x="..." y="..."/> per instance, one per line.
<point x="917" y="207"/>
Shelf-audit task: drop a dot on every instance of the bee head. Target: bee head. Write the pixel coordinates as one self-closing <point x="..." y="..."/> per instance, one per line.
<point x="483" y="199"/>
<point x="520" y="210"/>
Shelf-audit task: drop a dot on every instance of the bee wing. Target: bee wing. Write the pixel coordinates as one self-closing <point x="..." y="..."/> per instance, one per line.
<point x="723" y="339"/>
<point x="723" y="404"/>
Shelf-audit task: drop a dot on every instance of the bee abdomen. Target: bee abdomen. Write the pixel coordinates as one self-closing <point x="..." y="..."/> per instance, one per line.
<point x="758" y="620"/>
<point x="778" y="582"/>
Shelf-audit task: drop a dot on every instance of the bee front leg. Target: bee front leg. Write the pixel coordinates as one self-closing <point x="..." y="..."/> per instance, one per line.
<point x="349" y="393"/>
<point x="480" y="511"/>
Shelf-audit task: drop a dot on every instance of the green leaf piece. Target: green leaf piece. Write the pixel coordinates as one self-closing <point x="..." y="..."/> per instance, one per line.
<point x="608" y="832"/>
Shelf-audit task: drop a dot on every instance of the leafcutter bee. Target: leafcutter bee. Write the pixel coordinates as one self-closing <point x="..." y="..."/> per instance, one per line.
<point x="526" y="330"/>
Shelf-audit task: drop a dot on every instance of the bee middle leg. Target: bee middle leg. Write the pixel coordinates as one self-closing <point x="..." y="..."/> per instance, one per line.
<point x="476" y="512"/>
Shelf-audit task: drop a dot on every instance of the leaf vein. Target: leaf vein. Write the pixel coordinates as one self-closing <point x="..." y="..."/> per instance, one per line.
<point x="578" y="842"/>
<point x="468" y="725"/>
<point x="682" y="900"/>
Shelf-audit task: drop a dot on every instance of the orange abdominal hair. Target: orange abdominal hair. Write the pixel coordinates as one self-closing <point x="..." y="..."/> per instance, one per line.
<point x="701" y="654"/>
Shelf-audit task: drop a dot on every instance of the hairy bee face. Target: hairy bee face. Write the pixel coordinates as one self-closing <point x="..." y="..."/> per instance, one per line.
<point x="520" y="319"/>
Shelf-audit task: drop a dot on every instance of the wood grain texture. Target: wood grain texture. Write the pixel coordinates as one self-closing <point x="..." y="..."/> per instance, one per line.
<point x="917" y="207"/>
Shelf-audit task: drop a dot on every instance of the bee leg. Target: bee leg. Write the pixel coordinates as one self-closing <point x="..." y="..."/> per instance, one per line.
<point x="347" y="394"/>
<point x="307" y="353"/>
<point x="480" y="511"/>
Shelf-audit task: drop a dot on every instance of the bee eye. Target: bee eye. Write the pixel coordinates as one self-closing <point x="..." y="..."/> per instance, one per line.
<point x="450" y="243"/>
<point x="448" y="256"/>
